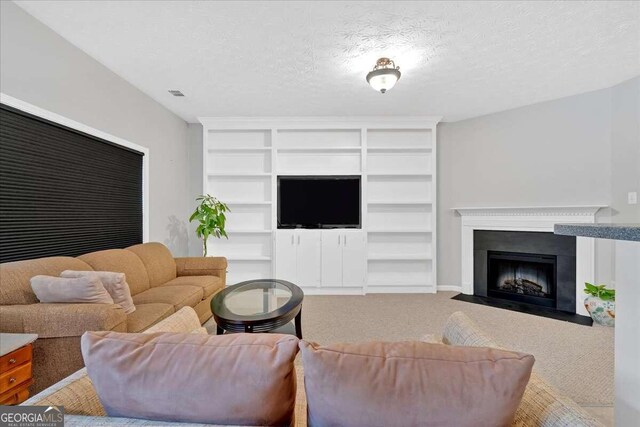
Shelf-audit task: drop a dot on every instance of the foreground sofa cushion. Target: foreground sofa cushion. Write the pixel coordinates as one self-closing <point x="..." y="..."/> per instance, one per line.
<point x="86" y="289"/>
<point x="239" y="379"/>
<point x="115" y="283"/>
<point x="412" y="384"/>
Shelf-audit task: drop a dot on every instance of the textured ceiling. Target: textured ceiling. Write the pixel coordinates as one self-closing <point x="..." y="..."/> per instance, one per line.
<point x="459" y="59"/>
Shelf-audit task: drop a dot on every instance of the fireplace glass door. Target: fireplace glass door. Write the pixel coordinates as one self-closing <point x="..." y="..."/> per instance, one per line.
<point x="528" y="278"/>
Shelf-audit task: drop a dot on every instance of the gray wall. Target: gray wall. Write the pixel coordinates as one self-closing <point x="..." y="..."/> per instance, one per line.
<point x="194" y="141"/>
<point x="625" y="149"/>
<point x="40" y="67"/>
<point x="578" y="150"/>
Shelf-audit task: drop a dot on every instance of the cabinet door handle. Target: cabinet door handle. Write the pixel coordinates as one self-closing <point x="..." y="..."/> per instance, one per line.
<point x="338" y="240"/>
<point x="345" y="240"/>
<point x="292" y="239"/>
<point x="298" y="240"/>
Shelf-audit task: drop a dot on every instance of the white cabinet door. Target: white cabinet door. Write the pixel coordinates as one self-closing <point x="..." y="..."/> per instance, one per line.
<point x="309" y="255"/>
<point x="286" y="255"/>
<point x="354" y="263"/>
<point x="332" y="258"/>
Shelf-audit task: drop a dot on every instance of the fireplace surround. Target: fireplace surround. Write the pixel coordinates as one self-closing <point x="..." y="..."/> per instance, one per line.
<point x="529" y="219"/>
<point x="508" y="262"/>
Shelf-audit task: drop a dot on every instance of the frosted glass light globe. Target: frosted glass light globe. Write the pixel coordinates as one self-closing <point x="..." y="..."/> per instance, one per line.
<point x="383" y="80"/>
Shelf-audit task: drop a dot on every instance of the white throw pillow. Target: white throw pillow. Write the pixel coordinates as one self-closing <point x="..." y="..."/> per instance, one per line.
<point x="88" y="289"/>
<point x="115" y="283"/>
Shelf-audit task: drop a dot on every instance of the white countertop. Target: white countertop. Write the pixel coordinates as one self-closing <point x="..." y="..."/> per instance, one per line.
<point x="11" y="342"/>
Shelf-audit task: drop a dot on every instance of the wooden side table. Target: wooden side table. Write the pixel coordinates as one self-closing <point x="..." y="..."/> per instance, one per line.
<point x="15" y="367"/>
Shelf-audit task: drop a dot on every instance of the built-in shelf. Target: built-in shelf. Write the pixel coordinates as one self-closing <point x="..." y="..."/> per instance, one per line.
<point x="249" y="231"/>
<point x="404" y="230"/>
<point x="245" y="174"/>
<point x="238" y="149"/>
<point x="398" y="257"/>
<point x="247" y="258"/>
<point x="328" y="149"/>
<point x="398" y="202"/>
<point x="400" y="149"/>
<point x="247" y="203"/>
<point x="395" y="159"/>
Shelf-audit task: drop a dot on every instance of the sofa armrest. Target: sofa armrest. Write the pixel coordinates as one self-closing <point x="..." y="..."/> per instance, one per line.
<point x="60" y="320"/>
<point x="75" y="393"/>
<point x="202" y="266"/>
<point x="460" y="330"/>
<point x="541" y="405"/>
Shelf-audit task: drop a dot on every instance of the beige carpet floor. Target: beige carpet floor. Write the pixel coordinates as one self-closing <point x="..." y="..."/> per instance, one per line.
<point x="576" y="359"/>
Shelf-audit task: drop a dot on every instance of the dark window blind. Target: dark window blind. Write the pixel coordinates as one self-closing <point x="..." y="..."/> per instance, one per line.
<point x="64" y="192"/>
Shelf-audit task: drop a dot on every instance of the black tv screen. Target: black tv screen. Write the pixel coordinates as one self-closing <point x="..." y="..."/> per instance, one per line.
<point x="318" y="201"/>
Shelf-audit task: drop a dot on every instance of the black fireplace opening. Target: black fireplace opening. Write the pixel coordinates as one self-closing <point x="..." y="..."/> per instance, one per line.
<point x="522" y="277"/>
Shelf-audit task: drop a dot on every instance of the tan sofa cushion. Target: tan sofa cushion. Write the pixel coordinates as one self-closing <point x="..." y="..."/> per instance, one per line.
<point x="209" y="284"/>
<point x="120" y="261"/>
<point x="160" y="265"/>
<point x="412" y="383"/>
<point x="147" y="315"/>
<point x="15" y="276"/>
<point x="178" y="296"/>
<point x="86" y="289"/>
<point x="236" y="379"/>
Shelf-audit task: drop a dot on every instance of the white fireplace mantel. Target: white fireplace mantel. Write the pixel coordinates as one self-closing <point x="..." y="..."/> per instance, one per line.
<point x="529" y="218"/>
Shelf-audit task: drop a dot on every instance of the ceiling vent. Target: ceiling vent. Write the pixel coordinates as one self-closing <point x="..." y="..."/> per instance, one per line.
<point x="176" y="93"/>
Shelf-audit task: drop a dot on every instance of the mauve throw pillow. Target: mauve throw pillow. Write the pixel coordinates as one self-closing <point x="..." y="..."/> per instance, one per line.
<point x="412" y="384"/>
<point x="51" y="289"/>
<point x="236" y="379"/>
<point x="115" y="283"/>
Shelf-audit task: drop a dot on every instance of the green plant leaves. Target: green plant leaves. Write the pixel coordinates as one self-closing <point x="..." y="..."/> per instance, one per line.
<point x="600" y="291"/>
<point x="212" y="220"/>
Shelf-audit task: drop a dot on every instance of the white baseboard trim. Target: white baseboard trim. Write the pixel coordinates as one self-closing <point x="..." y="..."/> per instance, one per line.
<point x="401" y="290"/>
<point x="333" y="291"/>
<point x="371" y="290"/>
<point x="450" y="288"/>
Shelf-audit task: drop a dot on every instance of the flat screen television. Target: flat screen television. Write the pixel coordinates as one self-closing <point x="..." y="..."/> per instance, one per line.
<point x="319" y="202"/>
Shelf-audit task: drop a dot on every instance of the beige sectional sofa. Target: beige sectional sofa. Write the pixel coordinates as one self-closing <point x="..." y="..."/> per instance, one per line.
<point x="541" y="405"/>
<point x="160" y="285"/>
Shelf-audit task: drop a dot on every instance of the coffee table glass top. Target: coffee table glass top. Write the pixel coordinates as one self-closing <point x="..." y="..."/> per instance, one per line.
<point x="261" y="305"/>
<point x="257" y="297"/>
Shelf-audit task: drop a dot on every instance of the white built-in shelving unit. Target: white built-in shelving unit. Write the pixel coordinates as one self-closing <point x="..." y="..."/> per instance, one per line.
<point x="396" y="159"/>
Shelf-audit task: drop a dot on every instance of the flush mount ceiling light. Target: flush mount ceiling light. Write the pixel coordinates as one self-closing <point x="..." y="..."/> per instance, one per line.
<point x="384" y="75"/>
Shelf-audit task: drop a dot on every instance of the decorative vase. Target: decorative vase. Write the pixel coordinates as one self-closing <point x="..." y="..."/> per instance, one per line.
<point x="602" y="312"/>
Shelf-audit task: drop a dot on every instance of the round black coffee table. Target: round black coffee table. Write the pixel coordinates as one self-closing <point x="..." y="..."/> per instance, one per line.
<point x="262" y="305"/>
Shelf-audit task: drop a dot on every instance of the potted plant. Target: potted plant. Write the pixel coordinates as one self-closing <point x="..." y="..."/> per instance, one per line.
<point x="601" y="304"/>
<point x="210" y="215"/>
